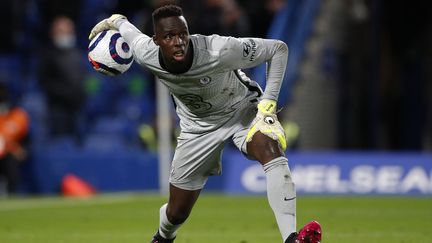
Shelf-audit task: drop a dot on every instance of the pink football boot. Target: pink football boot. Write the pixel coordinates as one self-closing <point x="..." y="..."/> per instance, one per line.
<point x="310" y="233"/>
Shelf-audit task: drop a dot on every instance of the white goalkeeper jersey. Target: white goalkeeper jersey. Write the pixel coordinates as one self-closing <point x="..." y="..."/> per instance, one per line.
<point x="214" y="88"/>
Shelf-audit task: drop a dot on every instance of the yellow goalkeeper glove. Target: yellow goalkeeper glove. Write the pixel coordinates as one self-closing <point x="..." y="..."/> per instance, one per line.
<point x="110" y="23"/>
<point x="267" y="106"/>
<point x="267" y="123"/>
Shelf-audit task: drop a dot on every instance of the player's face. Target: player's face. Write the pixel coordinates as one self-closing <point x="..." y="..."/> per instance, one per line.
<point x="172" y="36"/>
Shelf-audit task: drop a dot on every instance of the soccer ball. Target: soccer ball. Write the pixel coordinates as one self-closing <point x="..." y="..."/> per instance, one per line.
<point x="108" y="53"/>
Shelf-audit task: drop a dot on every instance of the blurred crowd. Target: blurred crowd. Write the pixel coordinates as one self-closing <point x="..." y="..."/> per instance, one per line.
<point x="384" y="75"/>
<point x="25" y="21"/>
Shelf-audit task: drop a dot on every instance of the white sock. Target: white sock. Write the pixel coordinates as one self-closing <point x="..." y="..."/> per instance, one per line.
<point x="281" y="195"/>
<point x="166" y="229"/>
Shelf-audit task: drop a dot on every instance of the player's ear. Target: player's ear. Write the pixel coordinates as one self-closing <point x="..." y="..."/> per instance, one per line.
<point x="155" y="39"/>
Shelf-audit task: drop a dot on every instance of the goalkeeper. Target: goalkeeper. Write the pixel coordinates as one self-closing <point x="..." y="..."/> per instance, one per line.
<point x="216" y="101"/>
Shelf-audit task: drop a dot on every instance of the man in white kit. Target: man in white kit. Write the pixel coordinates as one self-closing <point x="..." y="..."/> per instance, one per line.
<point x="216" y="101"/>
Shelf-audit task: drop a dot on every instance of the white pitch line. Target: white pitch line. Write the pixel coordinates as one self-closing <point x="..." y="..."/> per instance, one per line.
<point x="49" y="202"/>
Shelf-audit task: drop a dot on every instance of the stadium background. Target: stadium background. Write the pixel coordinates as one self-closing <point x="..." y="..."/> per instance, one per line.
<point x="357" y="95"/>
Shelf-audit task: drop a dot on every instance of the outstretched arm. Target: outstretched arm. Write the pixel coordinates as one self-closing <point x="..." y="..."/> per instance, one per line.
<point x="250" y="52"/>
<point x="129" y="32"/>
<point x="276" y="66"/>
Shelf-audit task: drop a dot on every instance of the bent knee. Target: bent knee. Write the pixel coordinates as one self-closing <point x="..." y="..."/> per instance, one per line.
<point x="177" y="216"/>
<point x="263" y="148"/>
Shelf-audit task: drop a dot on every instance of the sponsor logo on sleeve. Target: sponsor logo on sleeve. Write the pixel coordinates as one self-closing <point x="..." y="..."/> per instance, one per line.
<point x="249" y="49"/>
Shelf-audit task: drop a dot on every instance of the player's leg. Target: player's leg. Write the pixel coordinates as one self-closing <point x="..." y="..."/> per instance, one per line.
<point x="281" y="192"/>
<point x="176" y="211"/>
<point x="196" y="157"/>
<point x="180" y="204"/>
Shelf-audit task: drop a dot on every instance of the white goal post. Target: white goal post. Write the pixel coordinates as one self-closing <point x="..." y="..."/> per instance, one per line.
<point x="164" y="130"/>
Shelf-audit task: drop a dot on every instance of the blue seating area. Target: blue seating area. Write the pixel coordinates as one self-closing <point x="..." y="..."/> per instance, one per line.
<point x="111" y="169"/>
<point x="110" y="155"/>
<point x="113" y="105"/>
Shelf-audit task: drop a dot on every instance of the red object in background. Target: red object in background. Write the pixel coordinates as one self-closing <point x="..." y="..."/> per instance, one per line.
<point x="73" y="186"/>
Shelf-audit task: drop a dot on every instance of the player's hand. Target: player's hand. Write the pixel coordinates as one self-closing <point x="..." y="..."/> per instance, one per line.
<point x="111" y="23"/>
<point x="267" y="123"/>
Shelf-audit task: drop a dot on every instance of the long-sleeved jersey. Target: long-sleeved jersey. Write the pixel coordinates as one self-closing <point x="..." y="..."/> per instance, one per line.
<point x="214" y="88"/>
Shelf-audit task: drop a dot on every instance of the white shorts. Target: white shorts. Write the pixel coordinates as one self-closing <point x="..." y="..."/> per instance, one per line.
<point x="198" y="156"/>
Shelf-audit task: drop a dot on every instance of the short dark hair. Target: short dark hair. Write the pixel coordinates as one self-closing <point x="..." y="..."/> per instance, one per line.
<point x="170" y="10"/>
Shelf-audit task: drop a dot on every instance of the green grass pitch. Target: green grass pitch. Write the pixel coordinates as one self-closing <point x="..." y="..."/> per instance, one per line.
<point x="216" y="218"/>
